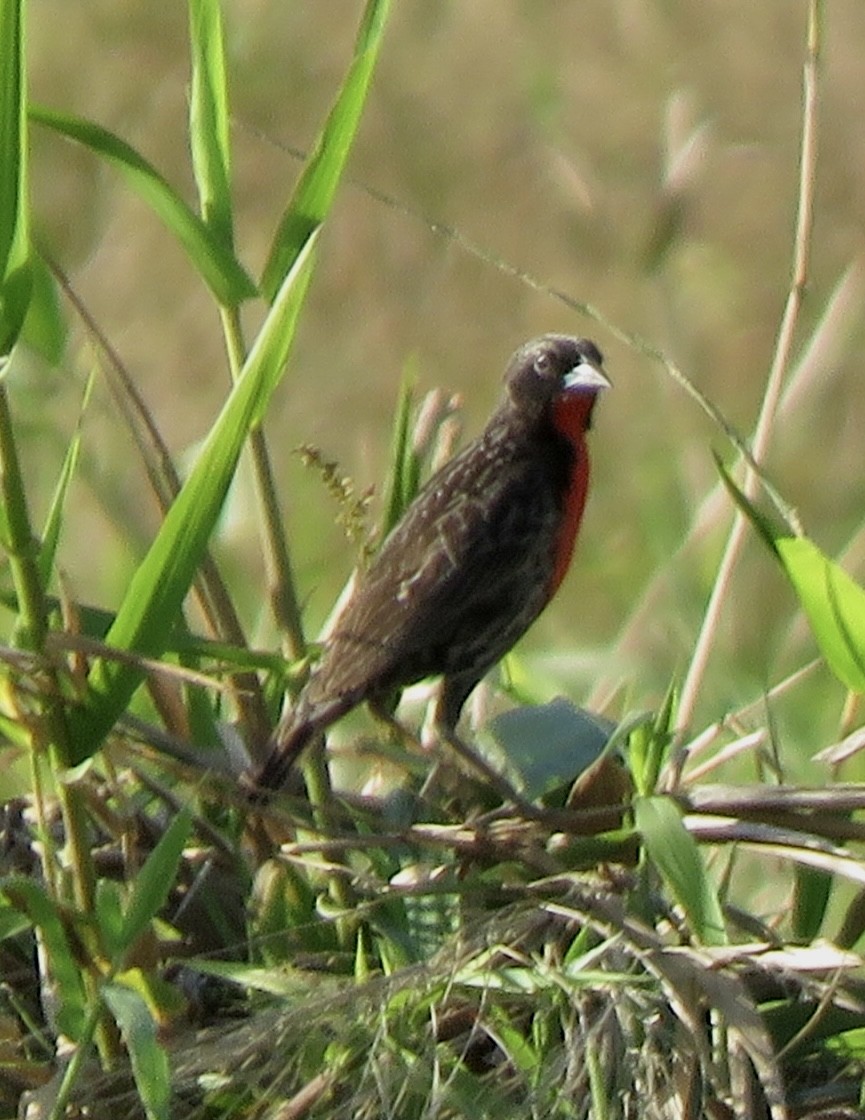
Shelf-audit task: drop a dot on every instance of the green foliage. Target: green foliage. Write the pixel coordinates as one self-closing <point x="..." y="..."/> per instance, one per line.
<point x="162" y="580"/>
<point x="316" y="187"/>
<point x="833" y="602"/>
<point x="207" y="251"/>
<point x="450" y="945"/>
<point x="15" y="256"/>
<point x="673" y="852"/>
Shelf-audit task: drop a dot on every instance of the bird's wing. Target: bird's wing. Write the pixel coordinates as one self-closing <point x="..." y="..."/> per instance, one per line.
<point x="456" y="583"/>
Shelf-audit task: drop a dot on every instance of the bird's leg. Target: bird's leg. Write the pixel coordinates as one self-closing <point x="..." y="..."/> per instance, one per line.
<point x="449" y="737"/>
<point x="382" y="712"/>
<point x="453" y="693"/>
<point x="444" y="734"/>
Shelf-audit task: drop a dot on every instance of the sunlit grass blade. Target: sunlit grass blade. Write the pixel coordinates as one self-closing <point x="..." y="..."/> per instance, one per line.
<point x="208" y="118"/>
<point x="317" y="185"/>
<point x="152" y="605"/>
<point x="649" y="742"/>
<point x="15" y="276"/>
<point x="674" y="852"/>
<point x="215" y="262"/>
<point x="834" y="604"/>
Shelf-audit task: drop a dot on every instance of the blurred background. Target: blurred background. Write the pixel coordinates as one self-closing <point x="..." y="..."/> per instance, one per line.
<point x="639" y="155"/>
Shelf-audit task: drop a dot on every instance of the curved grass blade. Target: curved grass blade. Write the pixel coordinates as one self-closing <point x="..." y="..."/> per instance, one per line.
<point x="834" y="604"/>
<point x="208" y="118"/>
<point x="675" y="854"/>
<point x="54" y="520"/>
<point x="317" y="185"/>
<point x="15" y="272"/>
<point x="31" y="898"/>
<point x="218" y="266"/>
<point x="768" y="528"/>
<point x="148" y="1059"/>
<point x="152" y="604"/>
<point x="154" y="880"/>
<point x="45" y="328"/>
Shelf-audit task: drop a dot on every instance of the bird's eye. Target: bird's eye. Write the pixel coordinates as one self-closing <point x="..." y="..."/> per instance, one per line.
<point x="543" y="362"/>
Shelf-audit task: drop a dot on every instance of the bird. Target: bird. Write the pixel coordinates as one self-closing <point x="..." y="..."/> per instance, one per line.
<point x="472" y="562"/>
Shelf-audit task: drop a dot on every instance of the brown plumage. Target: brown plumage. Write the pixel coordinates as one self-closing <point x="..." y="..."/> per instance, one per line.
<point x="474" y="560"/>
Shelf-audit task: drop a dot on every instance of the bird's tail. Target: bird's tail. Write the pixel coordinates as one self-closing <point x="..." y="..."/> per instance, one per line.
<point x="294" y="731"/>
<point x="286" y="745"/>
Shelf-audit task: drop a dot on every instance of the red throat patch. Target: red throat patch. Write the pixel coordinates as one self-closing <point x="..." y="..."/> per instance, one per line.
<point x="571" y="417"/>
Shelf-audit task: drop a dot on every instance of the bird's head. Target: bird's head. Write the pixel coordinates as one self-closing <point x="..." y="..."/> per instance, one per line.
<point x="559" y="377"/>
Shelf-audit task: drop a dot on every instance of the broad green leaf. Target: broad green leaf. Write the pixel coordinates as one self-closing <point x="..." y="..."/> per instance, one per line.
<point x="674" y="852"/>
<point x="148" y="1059"/>
<point x="153" y="601"/>
<point x="154" y="880"/>
<point x="834" y="604"/>
<point x="317" y="185"/>
<point x="214" y="260"/>
<point x="208" y="118"/>
<point x="15" y="271"/>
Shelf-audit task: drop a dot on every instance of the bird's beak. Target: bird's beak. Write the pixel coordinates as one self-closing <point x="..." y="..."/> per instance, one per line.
<point x="586" y="376"/>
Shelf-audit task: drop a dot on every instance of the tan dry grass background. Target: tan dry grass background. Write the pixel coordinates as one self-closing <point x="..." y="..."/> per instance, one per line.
<point x="542" y="131"/>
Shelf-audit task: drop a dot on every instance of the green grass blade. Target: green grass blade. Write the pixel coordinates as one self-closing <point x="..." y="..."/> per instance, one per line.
<point x="155" y="880"/>
<point x="148" y="1059"/>
<point x="400" y="450"/>
<point x="675" y="854"/>
<point x="218" y="266"/>
<point x="45" y="328"/>
<point x="152" y="605"/>
<point x="834" y="604"/>
<point x="209" y="118"/>
<point x="30" y="898"/>
<point x="54" y="520"/>
<point x="15" y="274"/>
<point x="767" y="528"/>
<point x="317" y="185"/>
